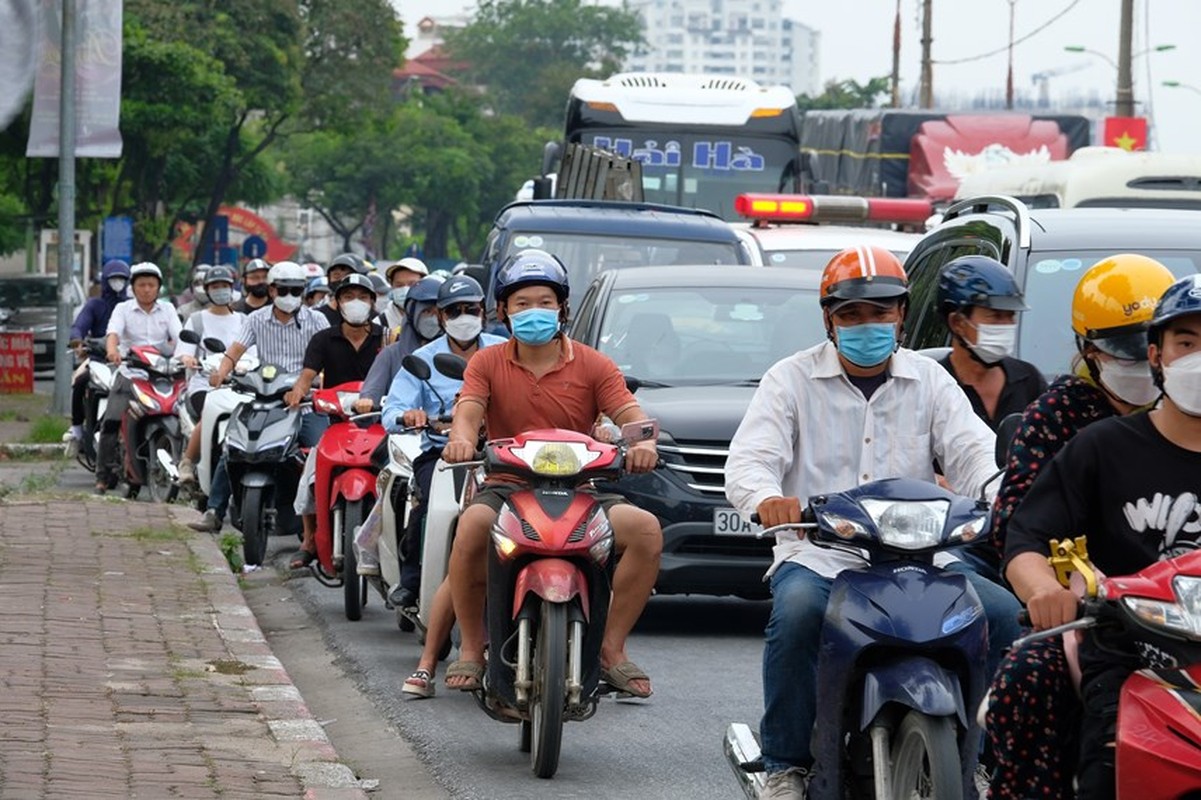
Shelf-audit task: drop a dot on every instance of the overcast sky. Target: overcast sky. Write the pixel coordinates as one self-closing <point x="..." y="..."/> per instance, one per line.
<point x="857" y="43"/>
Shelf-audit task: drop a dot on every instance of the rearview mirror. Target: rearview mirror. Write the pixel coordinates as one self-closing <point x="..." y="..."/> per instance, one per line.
<point x="210" y="344"/>
<point x="450" y="365"/>
<point x="191" y="337"/>
<point x="416" y="367"/>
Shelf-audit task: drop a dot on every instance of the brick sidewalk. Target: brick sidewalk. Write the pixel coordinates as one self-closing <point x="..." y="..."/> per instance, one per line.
<point x="130" y="666"/>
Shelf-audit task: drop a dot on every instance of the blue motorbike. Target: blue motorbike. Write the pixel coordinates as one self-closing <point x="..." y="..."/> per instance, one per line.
<point x="903" y="650"/>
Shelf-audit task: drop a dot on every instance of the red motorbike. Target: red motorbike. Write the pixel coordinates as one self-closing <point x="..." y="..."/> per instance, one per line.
<point x="151" y="440"/>
<point x="1159" y="710"/>
<point x="345" y="490"/>
<point x="549" y="583"/>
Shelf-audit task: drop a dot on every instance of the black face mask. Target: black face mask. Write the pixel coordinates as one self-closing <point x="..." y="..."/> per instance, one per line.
<point x="258" y="290"/>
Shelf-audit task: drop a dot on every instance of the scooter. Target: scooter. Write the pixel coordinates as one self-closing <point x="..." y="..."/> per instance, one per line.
<point x="264" y="459"/>
<point x="100" y="382"/>
<point x="549" y="581"/>
<point x="1158" y="744"/>
<point x="903" y="649"/>
<point x="344" y="490"/>
<point x="150" y="433"/>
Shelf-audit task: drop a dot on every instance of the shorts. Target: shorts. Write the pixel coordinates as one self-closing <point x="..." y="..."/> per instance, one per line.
<point x="494" y="495"/>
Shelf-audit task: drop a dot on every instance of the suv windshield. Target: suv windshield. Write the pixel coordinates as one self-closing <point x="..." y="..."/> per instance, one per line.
<point x="585" y="255"/>
<point x="1046" y="338"/>
<point x="702" y="335"/>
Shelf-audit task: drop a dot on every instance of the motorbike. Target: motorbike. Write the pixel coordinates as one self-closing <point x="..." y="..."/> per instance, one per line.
<point x="150" y="434"/>
<point x="100" y="382"/>
<point x="345" y="490"/>
<point x="1158" y="744"/>
<point x="549" y="583"/>
<point x="903" y="649"/>
<point x="264" y="459"/>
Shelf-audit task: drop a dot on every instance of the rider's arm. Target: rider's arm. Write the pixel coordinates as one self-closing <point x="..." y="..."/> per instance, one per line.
<point x="963" y="444"/>
<point x="404" y="395"/>
<point x="228" y="361"/>
<point x="468" y="417"/>
<point x="764" y="446"/>
<point x="116" y="327"/>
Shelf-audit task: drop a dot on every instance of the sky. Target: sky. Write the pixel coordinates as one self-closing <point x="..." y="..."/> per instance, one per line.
<point x="856" y="42"/>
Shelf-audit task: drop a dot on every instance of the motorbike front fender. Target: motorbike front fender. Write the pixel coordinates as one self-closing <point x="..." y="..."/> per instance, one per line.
<point x="918" y="683"/>
<point x="555" y="580"/>
<point x="256" y="479"/>
<point x="350" y="485"/>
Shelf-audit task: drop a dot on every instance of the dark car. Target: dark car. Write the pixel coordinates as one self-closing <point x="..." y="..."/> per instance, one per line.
<point x="594" y="235"/>
<point x="1048" y="250"/>
<point x="694" y="341"/>
<point x="29" y="303"/>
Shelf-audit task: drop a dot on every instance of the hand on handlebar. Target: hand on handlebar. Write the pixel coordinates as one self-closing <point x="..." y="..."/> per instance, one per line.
<point x="189" y="361"/>
<point x="113" y="357"/>
<point x="1051" y="607"/>
<point x="363" y="405"/>
<point x="215" y="380"/>
<point x="641" y="457"/>
<point x="415" y="418"/>
<point x="294" y="397"/>
<point x="779" y="511"/>
<point x="456" y="452"/>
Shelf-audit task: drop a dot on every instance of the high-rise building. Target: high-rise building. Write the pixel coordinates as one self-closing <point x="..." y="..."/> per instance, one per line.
<point x="749" y="38"/>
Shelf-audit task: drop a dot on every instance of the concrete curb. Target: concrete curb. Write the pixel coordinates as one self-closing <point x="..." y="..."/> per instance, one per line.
<point x="20" y="448"/>
<point x="314" y="761"/>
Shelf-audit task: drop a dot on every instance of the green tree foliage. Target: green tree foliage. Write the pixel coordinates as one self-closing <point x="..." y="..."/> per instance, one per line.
<point x="846" y="94"/>
<point x="529" y="52"/>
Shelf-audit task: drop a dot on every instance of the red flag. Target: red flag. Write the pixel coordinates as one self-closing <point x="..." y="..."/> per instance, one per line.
<point x="1128" y="133"/>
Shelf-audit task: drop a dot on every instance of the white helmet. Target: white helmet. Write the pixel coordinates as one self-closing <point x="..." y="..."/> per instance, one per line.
<point x="411" y="264"/>
<point x="313" y="270"/>
<point x="145" y="268"/>
<point x="286" y="273"/>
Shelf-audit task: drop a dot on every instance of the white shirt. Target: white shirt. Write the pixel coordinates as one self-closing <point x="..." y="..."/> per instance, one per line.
<point x="809" y="431"/>
<point x="159" y="327"/>
<point x="225" y="327"/>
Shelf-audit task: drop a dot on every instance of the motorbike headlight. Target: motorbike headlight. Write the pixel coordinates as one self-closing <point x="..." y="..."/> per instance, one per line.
<point x="146" y="400"/>
<point x="601" y="549"/>
<point x="1182" y="618"/>
<point x="396" y="451"/>
<point x="504" y="545"/>
<point x="909" y="525"/>
<point x="970" y="530"/>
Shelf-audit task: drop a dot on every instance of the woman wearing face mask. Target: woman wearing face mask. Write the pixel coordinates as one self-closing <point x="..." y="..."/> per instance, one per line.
<point x="199" y="300"/>
<point x="1033" y="704"/>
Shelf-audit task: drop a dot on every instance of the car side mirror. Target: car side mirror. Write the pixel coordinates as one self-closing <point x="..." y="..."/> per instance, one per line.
<point x="416" y="367"/>
<point x="450" y="365"/>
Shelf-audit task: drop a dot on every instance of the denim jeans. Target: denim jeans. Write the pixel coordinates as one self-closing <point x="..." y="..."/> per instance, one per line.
<point x="220" y="490"/>
<point x="793" y="635"/>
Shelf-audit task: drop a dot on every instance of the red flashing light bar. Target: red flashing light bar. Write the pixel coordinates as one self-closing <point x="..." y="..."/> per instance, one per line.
<point x="831" y="208"/>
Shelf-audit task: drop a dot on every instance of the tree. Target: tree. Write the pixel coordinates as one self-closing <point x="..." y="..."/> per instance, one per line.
<point x="846" y="94"/>
<point x="538" y="48"/>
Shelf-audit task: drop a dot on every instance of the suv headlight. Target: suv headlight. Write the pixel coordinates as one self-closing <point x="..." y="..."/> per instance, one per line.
<point x="908" y="524"/>
<point x="1182" y="618"/>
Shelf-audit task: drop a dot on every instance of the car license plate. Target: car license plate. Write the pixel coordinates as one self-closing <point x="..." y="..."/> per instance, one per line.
<point x="728" y="522"/>
<point x="40" y="348"/>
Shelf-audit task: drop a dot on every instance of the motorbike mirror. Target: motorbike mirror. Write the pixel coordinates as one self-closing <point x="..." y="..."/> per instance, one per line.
<point x="191" y="337"/>
<point x="640" y="431"/>
<point x="450" y="365"/>
<point x="416" y="367"/>
<point x="1006" y="430"/>
<point x="211" y="344"/>
<point x="632" y="383"/>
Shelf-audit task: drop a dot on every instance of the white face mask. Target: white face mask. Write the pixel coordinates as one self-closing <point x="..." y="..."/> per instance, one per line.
<point x="200" y="295"/>
<point x="1129" y="382"/>
<point x="355" y="312"/>
<point x="381" y="304"/>
<point x="427" y="326"/>
<point x="287" y="303"/>
<point x="1182" y="383"/>
<point x="118" y="285"/>
<point x="994" y="342"/>
<point x="221" y="296"/>
<point x="464" y="328"/>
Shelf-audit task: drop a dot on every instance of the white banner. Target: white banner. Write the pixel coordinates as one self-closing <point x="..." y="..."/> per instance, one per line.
<point x="18" y="32"/>
<point x="97" y="81"/>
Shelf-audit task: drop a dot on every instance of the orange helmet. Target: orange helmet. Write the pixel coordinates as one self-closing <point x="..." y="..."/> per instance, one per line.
<point x="865" y="273"/>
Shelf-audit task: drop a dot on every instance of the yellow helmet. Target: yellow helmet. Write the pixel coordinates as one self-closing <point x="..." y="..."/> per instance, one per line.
<point x="1114" y="301"/>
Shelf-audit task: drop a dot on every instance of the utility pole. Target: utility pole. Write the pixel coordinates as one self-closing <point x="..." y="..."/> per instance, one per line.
<point x="1009" y="74"/>
<point x="1124" y="107"/>
<point x="927" y="90"/>
<point x="896" y="58"/>
<point x="66" y="210"/>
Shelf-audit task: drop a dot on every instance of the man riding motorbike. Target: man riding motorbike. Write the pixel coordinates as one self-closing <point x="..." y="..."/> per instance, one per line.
<point x="199" y="299"/>
<point x="400" y="277"/>
<point x="255" y="286"/>
<point x="92" y="323"/>
<point x="420" y="307"/>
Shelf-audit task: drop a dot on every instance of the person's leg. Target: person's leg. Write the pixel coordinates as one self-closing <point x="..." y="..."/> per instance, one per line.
<point x="220" y="490"/>
<point x="639" y="539"/>
<point x="799" y="598"/>
<point x="1103" y="669"/>
<point x="305" y="504"/>
<point x="411" y="544"/>
<point x="468" y="578"/>
<point x="107" y="470"/>
<point x="79" y="389"/>
<point x="441" y="620"/>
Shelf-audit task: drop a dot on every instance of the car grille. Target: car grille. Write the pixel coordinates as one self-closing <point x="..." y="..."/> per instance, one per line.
<point x="701" y="465"/>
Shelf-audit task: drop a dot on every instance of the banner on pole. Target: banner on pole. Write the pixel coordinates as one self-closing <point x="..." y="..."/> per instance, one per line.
<point x="97" y="81"/>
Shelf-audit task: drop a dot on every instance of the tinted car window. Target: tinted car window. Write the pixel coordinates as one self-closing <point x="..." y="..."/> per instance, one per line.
<point x="707" y="335"/>
<point x="1045" y="336"/>
<point x="20" y="293"/>
<point x="926" y="325"/>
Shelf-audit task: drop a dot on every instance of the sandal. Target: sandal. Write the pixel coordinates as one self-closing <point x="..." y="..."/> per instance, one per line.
<point x="420" y="684"/>
<point x="302" y="559"/>
<point x="620" y="676"/>
<point x="473" y="671"/>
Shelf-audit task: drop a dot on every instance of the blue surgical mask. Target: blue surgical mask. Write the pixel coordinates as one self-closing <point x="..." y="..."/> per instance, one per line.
<point x="535" y="326"/>
<point x="869" y="344"/>
<point x="398" y="295"/>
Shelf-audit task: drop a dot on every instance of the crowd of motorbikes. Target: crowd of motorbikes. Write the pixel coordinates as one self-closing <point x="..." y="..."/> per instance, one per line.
<point x="902" y="666"/>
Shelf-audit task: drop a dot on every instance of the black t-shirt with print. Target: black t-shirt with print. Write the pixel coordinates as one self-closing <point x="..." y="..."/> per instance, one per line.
<point x="1119" y="482"/>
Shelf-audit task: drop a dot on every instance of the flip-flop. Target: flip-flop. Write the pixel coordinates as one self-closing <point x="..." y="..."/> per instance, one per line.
<point x="420" y="684"/>
<point x="619" y="676"/>
<point x="302" y="559"/>
<point x="472" y="670"/>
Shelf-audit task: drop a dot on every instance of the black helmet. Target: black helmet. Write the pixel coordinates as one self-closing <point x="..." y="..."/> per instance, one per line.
<point x="361" y="281"/>
<point x="532" y="268"/>
<point x="459" y="289"/>
<point x="350" y="261"/>
<point x="1181" y="298"/>
<point x="977" y="281"/>
<point x="218" y="274"/>
<point x="254" y="265"/>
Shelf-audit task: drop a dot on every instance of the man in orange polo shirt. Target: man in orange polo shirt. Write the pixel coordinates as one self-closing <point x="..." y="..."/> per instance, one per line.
<point x="542" y="379"/>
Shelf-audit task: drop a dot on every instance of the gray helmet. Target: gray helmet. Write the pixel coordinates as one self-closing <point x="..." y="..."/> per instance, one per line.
<point x="459" y="289"/>
<point x="254" y="265"/>
<point x="218" y="274"/>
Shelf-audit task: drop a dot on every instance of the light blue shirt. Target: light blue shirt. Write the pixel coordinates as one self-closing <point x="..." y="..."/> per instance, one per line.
<point x="435" y="396"/>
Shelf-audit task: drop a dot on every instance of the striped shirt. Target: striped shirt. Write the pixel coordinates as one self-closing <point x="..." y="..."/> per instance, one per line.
<point x="809" y="431"/>
<point x="281" y="343"/>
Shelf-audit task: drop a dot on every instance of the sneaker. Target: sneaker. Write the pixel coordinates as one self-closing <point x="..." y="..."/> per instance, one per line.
<point x="419" y="685"/>
<point x="187" y="470"/>
<point x="787" y="784"/>
<point x="368" y="562"/>
<point x="209" y="523"/>
<point x="72" y="445"/>
<point x="400" y="597"/>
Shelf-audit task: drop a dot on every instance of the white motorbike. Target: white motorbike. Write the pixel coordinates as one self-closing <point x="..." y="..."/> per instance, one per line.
<point x="100" y="382"/>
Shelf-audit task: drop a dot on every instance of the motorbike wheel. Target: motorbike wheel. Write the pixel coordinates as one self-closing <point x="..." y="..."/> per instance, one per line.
<point x="254" y="532"/>
<point x="354" y="586"/>
<point x="925" y="759"/>
<point x="549" y="690"/>
<point x="157" y="477"/>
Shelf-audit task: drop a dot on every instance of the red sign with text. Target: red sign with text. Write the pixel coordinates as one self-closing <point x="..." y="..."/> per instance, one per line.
<point x="16" y="363"/>
<point x="1128" y="133"/>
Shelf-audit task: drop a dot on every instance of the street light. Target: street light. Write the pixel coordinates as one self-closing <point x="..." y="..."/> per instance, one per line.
<point x="1075" y="48"/>
<point x="1179" y="85"/>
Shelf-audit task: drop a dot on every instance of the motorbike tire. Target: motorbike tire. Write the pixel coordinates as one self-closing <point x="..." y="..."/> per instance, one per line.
<point x="158" y="480"/>
<point x="354" y="586"/>
<point x="254" y="531"/>
<point x="548" y="697"/>
<point x="925" y="759"/>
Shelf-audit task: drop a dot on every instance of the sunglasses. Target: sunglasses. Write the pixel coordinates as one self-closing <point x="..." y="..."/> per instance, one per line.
<point x="294" y="291"/>
<point x="459" y="309"/>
